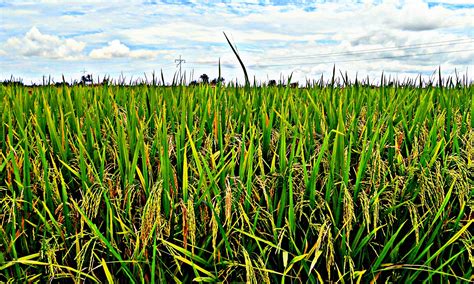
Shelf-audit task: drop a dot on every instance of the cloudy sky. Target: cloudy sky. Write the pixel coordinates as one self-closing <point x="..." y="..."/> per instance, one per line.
<point x="274" y="38"/>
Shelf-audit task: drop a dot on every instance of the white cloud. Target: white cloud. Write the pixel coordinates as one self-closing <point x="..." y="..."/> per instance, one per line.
<point x="116" y="49"/>
<point x="415" y="15"/>
<point x="35" y="43"/>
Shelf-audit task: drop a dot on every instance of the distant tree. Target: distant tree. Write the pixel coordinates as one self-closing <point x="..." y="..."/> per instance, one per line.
<point x="204" y="78"/>
<point x="215" y="81"/>
<point x="272" y="83"/>
<point x="12" y="82"/>
<point x="193" y="83"/>
<point x="294" y="85"/>
<point x="86" y="79"/>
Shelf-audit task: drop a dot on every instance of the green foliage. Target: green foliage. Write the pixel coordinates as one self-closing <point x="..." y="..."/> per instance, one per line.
<point x="258" y="184"/>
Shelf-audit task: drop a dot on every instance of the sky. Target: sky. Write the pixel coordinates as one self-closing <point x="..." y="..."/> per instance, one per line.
<point x="275" y="38"/>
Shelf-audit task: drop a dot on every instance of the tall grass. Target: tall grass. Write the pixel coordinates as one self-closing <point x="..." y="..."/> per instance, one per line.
<point x="152" y="184"/>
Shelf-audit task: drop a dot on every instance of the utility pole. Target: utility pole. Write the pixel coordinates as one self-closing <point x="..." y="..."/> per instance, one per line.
<point x="179" y="63"/>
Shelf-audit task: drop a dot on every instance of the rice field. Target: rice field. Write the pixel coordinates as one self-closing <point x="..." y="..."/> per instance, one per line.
<point x="154" y="184"/>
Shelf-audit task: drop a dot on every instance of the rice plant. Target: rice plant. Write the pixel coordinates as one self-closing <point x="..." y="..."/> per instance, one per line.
<point x="153" y="184"/>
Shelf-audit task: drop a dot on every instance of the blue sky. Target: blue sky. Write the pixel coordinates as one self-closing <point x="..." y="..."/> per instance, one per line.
<point x="274" y="37"/>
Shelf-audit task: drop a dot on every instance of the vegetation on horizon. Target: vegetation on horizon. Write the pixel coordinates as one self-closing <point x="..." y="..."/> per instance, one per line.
<point x="147" y="184"/>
